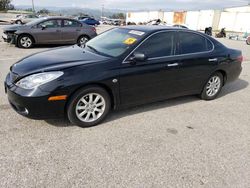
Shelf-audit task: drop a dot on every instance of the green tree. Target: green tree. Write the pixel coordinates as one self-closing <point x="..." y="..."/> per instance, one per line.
<point x="43" y="11"/>
<point x="29" y="10"/>
<point x="5" y="4"/>
<point x="118" y="16"/>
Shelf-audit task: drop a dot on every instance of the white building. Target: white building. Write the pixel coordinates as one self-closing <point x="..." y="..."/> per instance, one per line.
<point x="233" y="19"/>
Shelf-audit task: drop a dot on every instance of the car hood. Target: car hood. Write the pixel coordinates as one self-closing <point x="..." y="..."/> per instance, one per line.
<point x="15" y="27"/>
<point x="56" y="59"/>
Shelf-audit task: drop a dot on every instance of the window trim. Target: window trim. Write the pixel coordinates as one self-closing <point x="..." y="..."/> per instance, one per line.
<point x="178" y="55"/>
<point x="195" y="33"/>
<point x="80" y="24"/>
<point x="49" y="20"/>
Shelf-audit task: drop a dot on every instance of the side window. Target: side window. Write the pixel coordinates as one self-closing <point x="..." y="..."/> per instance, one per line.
<point x="193" y="43"/>
<point x="50" y="24"/>
<point x="71" y="23"/>
<point x="158" y="45"/>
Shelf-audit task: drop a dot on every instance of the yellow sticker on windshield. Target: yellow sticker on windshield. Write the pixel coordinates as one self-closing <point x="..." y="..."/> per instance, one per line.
<point x="129" y="41"/>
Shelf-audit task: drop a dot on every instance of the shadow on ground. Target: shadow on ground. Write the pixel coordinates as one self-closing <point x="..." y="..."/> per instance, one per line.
<point x="227" y="90"/>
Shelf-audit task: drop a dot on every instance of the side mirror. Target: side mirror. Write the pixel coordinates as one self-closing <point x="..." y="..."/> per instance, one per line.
<point x="44" y="27"/>
<point x="137" y="57"/>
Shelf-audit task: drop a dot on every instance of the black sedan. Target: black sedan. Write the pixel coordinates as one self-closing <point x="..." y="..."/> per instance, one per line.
<point x="120" y="68"/>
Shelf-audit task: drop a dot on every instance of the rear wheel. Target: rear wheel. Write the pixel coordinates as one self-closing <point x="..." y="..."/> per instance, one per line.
<point x="248" y="42"/>
<point x="89" y="106"/>
<point x="213" y="87"/>
<point x="82" y="40"/>
<point x="25" y="41"/>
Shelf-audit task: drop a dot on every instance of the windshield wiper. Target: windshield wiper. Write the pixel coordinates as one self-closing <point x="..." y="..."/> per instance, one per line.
<point x="96" y="51"/>
<point x="92" y="48"/>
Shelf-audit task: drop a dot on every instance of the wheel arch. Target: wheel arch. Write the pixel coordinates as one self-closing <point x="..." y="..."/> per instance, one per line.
<point x="22" y="34"/>
<point x="83" y="35"/>
<point x="101" y="85"/>
<point x="224" y="74"/>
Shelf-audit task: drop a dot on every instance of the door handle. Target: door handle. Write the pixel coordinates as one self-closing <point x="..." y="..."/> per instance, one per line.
<point x="78" y="29"/>
<point x="58" y="30"/>
<point x="213" y="60"/>
<point x="173" y="64"/>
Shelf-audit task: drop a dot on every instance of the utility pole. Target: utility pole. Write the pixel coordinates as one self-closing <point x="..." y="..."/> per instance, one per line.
<point x="33" y="7"/>
<point x="102" y="10"/>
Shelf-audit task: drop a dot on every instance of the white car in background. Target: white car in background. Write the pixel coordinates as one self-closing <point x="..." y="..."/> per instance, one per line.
<point x="23" y="19"/>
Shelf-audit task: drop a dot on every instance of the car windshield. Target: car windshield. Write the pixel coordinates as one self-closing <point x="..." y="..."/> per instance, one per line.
<point x="36" y="21"/>
<point x="114" y="42"/>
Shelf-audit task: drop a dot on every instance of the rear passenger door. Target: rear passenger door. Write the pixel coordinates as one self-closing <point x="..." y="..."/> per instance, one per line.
<point x="71" y="30"/>
<point x="196" y="61"/>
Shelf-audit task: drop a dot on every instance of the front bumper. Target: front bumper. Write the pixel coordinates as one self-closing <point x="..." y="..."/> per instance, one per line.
<point x="10" y="38"/>
<point x="33" y="104"/>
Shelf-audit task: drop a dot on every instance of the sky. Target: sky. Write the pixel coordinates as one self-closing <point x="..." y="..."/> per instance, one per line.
<point x="137" y="4"/>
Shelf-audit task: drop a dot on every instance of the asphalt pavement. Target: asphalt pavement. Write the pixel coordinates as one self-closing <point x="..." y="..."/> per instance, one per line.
<point x="182" y="142"/>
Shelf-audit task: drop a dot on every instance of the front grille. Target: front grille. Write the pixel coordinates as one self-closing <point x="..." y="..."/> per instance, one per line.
<point x="13" y="77"/>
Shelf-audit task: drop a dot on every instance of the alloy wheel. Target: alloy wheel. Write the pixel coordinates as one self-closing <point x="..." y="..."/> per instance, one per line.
<point x="90" y="107"/>
<point x="83" y="41"/>
<point x="213" y="86"/>
<point x="25" y="42"/>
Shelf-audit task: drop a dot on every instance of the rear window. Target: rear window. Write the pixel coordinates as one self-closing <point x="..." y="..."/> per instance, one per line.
<point x="71" y="23"/>
<point x="193" y="43"/>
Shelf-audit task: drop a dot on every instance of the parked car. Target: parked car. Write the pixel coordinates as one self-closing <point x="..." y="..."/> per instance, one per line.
<point x="122" y="67"/>
<point x="23" y="19"/>
<point x="248" y="40"/>
<point x="221" y="34"/>
<point x="90" y="21"/>
<point x="209" y="31"/>
<point x="50" y="30"/>
<point x="81" y="17"/>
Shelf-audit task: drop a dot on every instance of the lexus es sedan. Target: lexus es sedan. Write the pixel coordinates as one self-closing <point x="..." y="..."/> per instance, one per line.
<point x="120" y="68"/>
<point x="49" y="30"/>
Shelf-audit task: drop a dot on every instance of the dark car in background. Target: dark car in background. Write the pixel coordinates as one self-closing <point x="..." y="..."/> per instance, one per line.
<point x="122" y="67"/>
<point x="49" y="30"/>
<point x="81" y="17"/>
<point x="90" y="21"/>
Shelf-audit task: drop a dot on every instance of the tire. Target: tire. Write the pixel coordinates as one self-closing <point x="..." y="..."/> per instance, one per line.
<point x="84" y="113"/>
<point x="19" y="22"/>
<point x="82" y="40"/>
<point x="248" y="42"/>
<point x="25" y="41"/>
<point x="212" y="87"/>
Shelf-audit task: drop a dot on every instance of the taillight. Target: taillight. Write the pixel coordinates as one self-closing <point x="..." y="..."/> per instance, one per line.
<point x="94" y="29"/>
<point x="240" y="59"/>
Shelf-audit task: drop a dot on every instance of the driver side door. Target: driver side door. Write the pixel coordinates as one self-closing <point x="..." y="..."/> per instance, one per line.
<point x="152" y="79"/>
<point x="48" y="32"/>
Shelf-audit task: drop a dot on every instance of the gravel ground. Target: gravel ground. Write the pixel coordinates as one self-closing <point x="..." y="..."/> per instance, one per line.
<point x="183" y="142"/>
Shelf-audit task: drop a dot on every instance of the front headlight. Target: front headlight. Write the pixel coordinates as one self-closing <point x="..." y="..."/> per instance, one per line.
<point x="36" y="80"/>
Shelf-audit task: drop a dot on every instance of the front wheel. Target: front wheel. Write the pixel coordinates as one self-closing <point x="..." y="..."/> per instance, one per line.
<point x="213" y="87"/>
<point x="88" y="107"/>
<point x="24" y="41"/>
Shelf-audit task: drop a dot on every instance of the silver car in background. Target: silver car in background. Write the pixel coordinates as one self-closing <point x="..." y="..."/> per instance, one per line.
<point x="49" y="30"/>
<point x="23" y="19"/>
